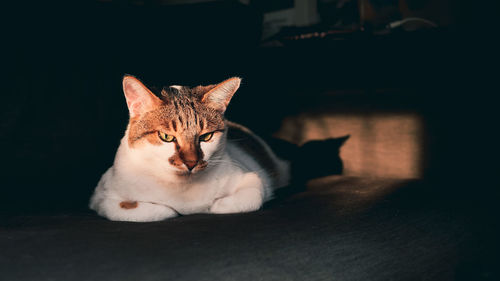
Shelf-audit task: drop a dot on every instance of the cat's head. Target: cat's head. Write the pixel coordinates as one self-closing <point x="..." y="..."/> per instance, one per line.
<point x="182" y="130"/>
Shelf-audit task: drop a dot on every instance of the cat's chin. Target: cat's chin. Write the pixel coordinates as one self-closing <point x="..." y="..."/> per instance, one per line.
<point x="184" y="173"/>
<point x="187" y="174"/>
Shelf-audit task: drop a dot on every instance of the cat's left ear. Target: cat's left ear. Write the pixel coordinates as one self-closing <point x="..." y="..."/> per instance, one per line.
<point x="219" y="96"/>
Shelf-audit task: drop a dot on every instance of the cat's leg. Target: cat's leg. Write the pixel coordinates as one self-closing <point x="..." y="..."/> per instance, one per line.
<point x="247" y="197"/>
<point x="122" y="210"/>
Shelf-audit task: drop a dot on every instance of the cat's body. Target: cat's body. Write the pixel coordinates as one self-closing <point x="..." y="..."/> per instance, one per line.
<point x="176" y="158"/>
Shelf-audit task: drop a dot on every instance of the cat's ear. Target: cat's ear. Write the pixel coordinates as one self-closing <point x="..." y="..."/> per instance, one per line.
<point x="343" y="139"/>
<point x="219" y="96"/>
<point x="139" y="98"/>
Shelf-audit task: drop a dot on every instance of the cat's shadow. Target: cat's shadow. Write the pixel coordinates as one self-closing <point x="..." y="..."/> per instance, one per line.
<point x="313" y="159"/>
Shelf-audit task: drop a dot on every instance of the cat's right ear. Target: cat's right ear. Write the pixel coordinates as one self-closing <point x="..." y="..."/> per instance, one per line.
<point x="139" y="98"/>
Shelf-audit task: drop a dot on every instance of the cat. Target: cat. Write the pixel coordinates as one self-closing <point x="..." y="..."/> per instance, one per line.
<point x="176" y="158"/>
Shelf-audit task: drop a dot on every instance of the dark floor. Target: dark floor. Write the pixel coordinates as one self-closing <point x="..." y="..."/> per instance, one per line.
<point x="341" y="228"/>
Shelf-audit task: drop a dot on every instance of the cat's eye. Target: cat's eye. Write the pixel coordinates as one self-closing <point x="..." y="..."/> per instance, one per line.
<point x="206" y="137"/>
<point x="165" y="137"/>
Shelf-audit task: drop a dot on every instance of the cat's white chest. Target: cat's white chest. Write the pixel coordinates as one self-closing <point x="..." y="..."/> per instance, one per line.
<point x="189" y="196"/>
<point x="199" y="196"/>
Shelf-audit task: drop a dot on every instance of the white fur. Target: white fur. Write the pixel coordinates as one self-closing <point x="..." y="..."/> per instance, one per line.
<point x="233" y="182"/>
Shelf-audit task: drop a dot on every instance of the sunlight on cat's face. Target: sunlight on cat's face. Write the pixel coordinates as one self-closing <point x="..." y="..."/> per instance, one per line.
<point x="182" y="148"/>
<point x="189" y="154"/>
<point x="180" y="132"/>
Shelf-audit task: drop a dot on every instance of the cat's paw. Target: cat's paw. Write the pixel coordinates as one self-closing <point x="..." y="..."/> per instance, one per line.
<point x="246" y="200"/>
<point x="142" y="212"/>
<point x="118" y="210"/>
<point x="225" y="205"/>
<point x="247" y="197"/>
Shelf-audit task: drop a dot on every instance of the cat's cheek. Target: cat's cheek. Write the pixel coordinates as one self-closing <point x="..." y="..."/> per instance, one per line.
<point x="158" y="156"/>
<point x="167" y="151"/>
<point x="208" y="148"/>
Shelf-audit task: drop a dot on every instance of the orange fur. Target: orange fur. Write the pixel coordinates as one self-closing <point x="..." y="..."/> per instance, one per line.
<point x="128" y="204"/>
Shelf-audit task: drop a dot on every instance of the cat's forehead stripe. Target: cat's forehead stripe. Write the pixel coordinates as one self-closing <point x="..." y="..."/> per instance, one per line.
<point x="174" y="125"/>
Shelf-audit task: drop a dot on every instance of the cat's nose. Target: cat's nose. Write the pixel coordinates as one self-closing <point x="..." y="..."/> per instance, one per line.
<point x="190" y="164"/>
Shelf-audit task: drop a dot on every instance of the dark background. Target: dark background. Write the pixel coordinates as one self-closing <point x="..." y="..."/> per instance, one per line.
<point x="63" y="112"/>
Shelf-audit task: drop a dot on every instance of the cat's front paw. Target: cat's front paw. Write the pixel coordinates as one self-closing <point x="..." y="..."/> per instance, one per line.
<point x="236" y="204"/>
<point x="225" y="205"/>
<point x="118" y="210"/>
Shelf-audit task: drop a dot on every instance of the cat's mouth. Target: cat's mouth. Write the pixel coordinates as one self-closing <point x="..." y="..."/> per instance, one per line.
<point x="186" y="172"/>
